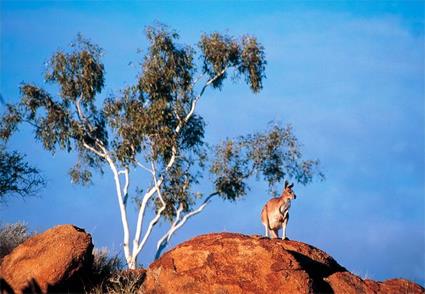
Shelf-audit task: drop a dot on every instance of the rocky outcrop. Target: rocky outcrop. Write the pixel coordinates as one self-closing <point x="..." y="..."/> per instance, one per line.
<point x="235" y="263"/>
<point x="56" y="260"/>
<point x="346" y="282"/>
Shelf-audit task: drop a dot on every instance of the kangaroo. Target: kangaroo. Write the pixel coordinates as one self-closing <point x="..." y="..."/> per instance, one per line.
<point x="275" y="213"/>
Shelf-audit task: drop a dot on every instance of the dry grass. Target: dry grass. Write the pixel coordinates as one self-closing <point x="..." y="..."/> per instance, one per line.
<point x="108" y="276"/>
<point x="125" y="282"/>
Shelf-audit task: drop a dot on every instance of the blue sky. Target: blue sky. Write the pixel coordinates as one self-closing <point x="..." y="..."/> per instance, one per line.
<point x="348" y="75"/>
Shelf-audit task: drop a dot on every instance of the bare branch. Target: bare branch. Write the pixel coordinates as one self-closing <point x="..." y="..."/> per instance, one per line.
<point x="197" y="80"/>
<point x="155" y="220"/>
<point x="144" y="167"/>
<point x="123" y="211"/>
<point x="83" y="119"/>
<point x="126" y="184"/>
<point x="103" y="155"/>
<point x="162" y="243"/>
<point x="141" y="213"/>
<point x="190" y="113"/>
<point x="177" y="224"/>
<point x="195" y="101"/>
<point x="81" y="115"/>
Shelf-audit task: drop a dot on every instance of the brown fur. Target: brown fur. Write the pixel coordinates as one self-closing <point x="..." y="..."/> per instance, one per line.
<point x="275" y="213"/>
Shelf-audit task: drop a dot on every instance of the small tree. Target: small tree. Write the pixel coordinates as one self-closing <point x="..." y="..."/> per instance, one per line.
<point x="17" y="177"/>
<point x="152" y="127"/>
<point x="11" y="236"/>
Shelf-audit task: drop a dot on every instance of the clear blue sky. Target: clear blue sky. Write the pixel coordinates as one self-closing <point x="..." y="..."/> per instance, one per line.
<point x="348" y="75"/>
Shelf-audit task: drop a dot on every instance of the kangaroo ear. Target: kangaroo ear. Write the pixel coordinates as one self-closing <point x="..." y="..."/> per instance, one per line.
<point x="291" y="185"/>
<point x="286" y="183"/>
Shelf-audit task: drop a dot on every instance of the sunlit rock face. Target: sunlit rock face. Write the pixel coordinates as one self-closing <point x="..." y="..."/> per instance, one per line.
<point x="56" y="260"/>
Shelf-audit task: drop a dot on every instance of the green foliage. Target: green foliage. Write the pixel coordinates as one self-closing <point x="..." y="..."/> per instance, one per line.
<point x="167" y="69"/>
<point x="176" y="188"/>
<point x="12" y="235"/>
<point x="230" y="169"/>
<point x="275" y="155"/>
<point x="80" y="175"/>
<point x="219" y="52"/>
<point x="80" y="73"/>
<point x="17" y="176"/>
<point x="54" y="128"/>
<point x="153" y="122"/>
<point x="253" y="63"/>
<point x="9" y="122"/>
<point x="246" y="56"/>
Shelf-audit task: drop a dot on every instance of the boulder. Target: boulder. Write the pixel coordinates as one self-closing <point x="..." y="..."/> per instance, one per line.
<point x="55" y="260"/>
<point x="235" y="263"/>
<point x="346" y="282"/>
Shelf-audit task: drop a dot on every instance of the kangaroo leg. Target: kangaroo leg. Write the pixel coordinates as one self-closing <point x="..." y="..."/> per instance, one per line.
<point x="274" y="234"/>
<point x="267" y="230"/>
<point x="265" y="220"/>
<point x="285" y="222"/>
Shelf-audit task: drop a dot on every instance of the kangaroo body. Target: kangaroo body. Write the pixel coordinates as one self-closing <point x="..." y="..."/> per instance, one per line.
<point x="275" y="213"/>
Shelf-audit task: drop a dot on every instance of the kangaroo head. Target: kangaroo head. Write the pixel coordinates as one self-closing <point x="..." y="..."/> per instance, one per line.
<point x="288" y="192"/>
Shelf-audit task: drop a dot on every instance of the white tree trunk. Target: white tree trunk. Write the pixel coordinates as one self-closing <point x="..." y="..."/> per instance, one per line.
<point x="126" y="238"/>
<point x="163" y="242"/>
<point x="122" y="192"/>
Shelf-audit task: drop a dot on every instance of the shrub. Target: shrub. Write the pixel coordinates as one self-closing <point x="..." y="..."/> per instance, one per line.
<point x="121" y="282"/>
<point x="105" y="265"/>
<point x="11" y="235"/>
<point x="108" y="277"/>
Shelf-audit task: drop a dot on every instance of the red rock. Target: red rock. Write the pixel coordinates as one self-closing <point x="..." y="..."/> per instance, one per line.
<point x="346" y="282"/>
<point x="235" y="263"/>
<point x="400" y="286"/>
<point x="53" y="260"/>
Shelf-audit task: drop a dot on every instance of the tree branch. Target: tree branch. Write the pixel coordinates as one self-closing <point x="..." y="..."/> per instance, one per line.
<point x="123" y="212"/>
<point x="126" y="184"/>
<point x="195" y="101"/>
<point x="197" y="80"/>
<point x="190" y="113"/>
<point x="103" y="155"/>
<point x="146" y="197"/>
<point x="154" y="220"/>
<point x="144" y="167"/>
<point x="81" y="115"/>
<point x="163" y="242"/>
<point x="177" y="224"/>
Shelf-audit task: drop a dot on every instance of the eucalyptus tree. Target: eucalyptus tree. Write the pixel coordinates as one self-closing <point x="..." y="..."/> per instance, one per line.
<point x="153" y="128"/>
